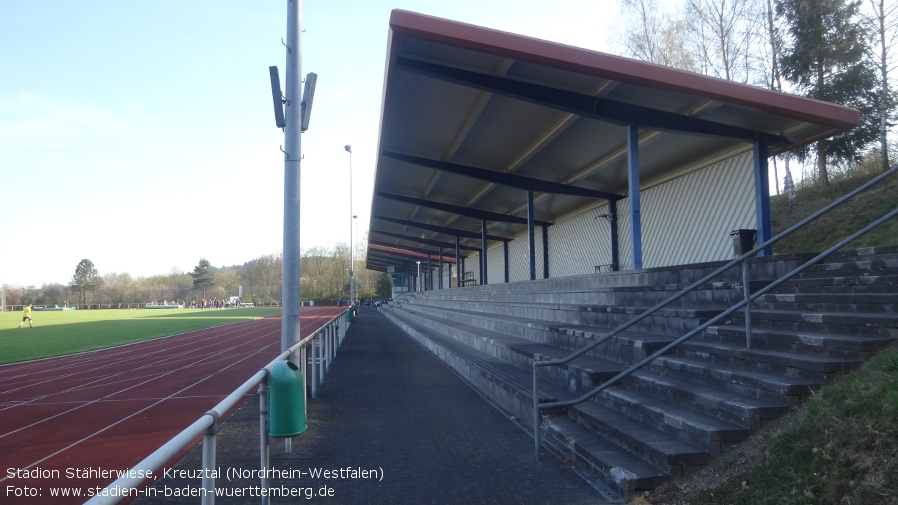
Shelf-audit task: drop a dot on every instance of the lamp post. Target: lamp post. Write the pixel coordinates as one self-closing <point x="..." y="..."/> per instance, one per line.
<point x="348" y="149"/>
<point x="356" y="233"/>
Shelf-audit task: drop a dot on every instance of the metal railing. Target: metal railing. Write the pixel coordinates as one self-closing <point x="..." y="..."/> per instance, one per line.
<point x="315" y="354"/>
<point x="746" y="303"/>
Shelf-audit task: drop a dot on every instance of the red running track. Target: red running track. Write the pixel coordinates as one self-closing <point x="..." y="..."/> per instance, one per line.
<point x="64" y="421"/>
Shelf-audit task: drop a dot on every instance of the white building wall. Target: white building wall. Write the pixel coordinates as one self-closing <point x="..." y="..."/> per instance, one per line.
<point x="685" y="220"/>
<point x="688" y="220"/>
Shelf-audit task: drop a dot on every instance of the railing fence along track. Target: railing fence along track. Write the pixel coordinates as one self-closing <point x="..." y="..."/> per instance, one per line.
<point x="746" y="303"/>
<point x="323" y="343"/>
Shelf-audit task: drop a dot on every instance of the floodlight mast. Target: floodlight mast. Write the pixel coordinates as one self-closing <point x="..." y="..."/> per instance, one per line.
<point x="290" y="296"/>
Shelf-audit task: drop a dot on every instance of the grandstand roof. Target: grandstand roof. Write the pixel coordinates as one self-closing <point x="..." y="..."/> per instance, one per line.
<point x="473" y="117"/>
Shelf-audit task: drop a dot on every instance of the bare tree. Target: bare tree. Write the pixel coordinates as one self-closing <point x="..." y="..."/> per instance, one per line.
<point x="724" y="37"/>
<point x="117" y="286"/>
<point x="881" y="19"/>
<point x="652" y="34"/>
<point x="266" y="273"/>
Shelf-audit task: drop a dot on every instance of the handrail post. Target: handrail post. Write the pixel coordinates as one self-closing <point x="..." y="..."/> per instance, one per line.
<point x="746" y="292"/>
<point x="263" y="438"/>
<point x="536" y="435"/>
<point x="313" y="380"/>
<point x="209" y="464"/>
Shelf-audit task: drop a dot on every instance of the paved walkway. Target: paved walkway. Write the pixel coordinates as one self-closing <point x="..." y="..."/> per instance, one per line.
<point x="389" y="406"/>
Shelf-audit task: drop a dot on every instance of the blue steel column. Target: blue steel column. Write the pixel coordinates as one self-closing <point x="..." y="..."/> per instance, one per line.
<point x="429" y="273"/>
<point x="483" y="272"/>
<point x="531" y="217"/>
<point x="441" y="268"/>
<point x="506" y="261"/>
<point x="545" y="252"/>
<point x="615" y="243"/>
<point x="292" y="155"/>
<point x="458" y="265"/>
<point x="633" y="177"/>
<point x="762" y="196"/>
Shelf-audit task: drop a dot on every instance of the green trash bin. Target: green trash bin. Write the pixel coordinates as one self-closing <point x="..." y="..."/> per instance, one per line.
<point x="286" y="401"/>
<point x="349" y="315"/>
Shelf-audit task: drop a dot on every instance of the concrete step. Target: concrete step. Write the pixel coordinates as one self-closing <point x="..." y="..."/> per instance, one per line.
<point x="828" y="302"/>
<point x="605" y="460"/>
<point x="793" y="364"/>
<point x="871" y="324"/>
<point x="578" y="376"/>
<point x="661" y="449"/>
<point x="675" y="418"/>
<point x="503" y="384"/>
<point x="527" y="320"/>
<point x="737" y="379"/>
<point x="812" y="343"/>
<point x="845" y="265"/>
<point x="710" y="399"/>
<point x="845" y="284"/>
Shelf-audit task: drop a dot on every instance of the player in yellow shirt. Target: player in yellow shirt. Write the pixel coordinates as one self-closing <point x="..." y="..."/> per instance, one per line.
<point x="26" y="316"/>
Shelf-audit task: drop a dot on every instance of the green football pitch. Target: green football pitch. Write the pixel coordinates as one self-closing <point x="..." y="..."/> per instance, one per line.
<point x="66" y="332"/>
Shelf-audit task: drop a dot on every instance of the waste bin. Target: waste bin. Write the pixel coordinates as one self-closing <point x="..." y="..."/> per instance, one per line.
<point x="349" y="315"/>
<point x="743" y="241"/>
<point x="287" y="401"/>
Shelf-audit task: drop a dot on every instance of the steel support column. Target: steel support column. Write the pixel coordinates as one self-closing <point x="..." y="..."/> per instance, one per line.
<point x="633" y="179"/>
<point x="762" y="196"/>
<point x="459" y="267"/>
<point x="615" y="242"/>
<point x="441" y="268"/>
<point x="531" y="217"/>
<point x="483" y="253"/>
<point x="505" y="247"/>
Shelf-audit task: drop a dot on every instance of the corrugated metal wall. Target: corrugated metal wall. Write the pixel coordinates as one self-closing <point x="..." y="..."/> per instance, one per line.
<point x="688" y="220"/>
<point x="685" y="220"/>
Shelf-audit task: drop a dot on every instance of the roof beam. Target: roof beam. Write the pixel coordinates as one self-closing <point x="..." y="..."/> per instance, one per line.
<point x="430" y="242"/>
<point x="452" y="232"/>
<point x="463" y="211"/>
<point x="507" y="179"/>
<point x="588" y="106"/>
<point x="412" y="252"/>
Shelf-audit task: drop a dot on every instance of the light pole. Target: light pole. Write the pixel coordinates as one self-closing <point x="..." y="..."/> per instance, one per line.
<point x="348" y="149"/>
<point x="356" y="232"/>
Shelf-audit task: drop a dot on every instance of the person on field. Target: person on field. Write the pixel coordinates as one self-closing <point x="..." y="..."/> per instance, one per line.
<point x="26" y="316"/>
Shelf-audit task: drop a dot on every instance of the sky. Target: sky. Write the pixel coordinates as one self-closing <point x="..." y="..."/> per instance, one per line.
<point x="140" y="135"/>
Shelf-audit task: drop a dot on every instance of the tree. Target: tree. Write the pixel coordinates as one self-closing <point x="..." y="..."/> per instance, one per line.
<point x="724" y="34"/>
<point x="86" y="278"/>
<point x="203" y="275"/>
<point x="652" y="35"/>
<point x="265" y="272"/>
<point x="383" y="287"/>
<point x="824" y="57"/>
<point x="117" y="286"/>
<point x="882" y="21"/>
<point x="229" y="279"/>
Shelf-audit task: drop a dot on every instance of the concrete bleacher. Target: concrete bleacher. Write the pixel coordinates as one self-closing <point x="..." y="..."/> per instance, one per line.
<point x="672" y="417"/>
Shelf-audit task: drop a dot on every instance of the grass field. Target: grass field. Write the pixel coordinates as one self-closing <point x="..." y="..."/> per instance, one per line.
<point x="66" y="332"/>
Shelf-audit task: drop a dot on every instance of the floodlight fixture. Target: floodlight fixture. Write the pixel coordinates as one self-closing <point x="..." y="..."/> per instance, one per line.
<point x="277" y="97"/>
<point x="308" y="94"/>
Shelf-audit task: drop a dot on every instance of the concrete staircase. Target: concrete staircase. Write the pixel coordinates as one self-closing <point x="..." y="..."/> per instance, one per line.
<point x="672" y="417"/>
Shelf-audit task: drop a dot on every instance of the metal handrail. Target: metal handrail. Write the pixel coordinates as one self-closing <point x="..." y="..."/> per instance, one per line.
<point x="207" y="425"/>
<point x="537" y="406"/>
